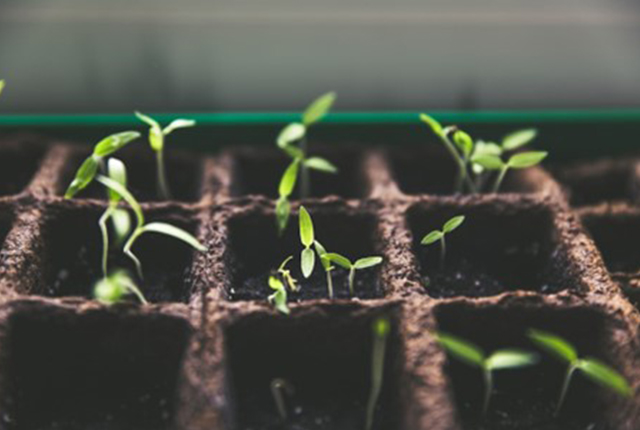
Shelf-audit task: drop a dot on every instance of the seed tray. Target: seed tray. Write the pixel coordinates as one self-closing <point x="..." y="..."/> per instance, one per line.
<point x="201" y="355"/>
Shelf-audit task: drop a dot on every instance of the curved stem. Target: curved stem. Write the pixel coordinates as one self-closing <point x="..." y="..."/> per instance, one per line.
<point x="279" y="387"/>
<point x="330" y="284"/>
<point x="102" y="223"/>
<point x="488" y="388"/>
<point x="163" y="185"/>
<point x="499" y="179"/>
<point x="305" y="182"/>
<point x="462" y="177"/>
<point x="136" y="291"/>
<point x="443" y="251"/>
<point x="565" y="388"/>
<point x="377" y="376"/>
<point x="130" y="254"/>
<point x="352" y="276"/>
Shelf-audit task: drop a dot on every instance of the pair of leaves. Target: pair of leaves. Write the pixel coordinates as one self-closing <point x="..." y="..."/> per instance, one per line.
<point x="521" y="160"/>
<point x="448" y="227"/>
<point x="591" y="367"/>
<point x="157" y="133"/>
<point x="279" y="297"/>
<point x="89" y="168"/>
<point x="296" y="131"/>
<point x="307" y="237"/>
<point x="360" y="264"/>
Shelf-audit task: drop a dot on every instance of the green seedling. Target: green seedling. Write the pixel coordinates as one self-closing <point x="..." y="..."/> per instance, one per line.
<point x="157" y="136"/>
<point x="361" y="264"/>
<point x="307" y="257"/>
<point x="285" y="275"/>
<point x="326" y="265"/>
<point x="590" y="367"/>
<point x="472" y="355"/>
<point x="103" y="149"/>
<point x="520" y="160"/>
<point x="439" y="235"/>
<point x="114" y="288"/>
<point x="279" y="297"/>
<point x="279" y="388"/>
<point x="119" y="217"/>
<point x="142" y="227"/>
<point x="381" y="327"/>
<point x="293" y="141"/>
<point x="1" y="85"/>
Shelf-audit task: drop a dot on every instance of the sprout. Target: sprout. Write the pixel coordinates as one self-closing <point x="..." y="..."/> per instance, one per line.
<point x="141" y="227"/>
<point x="285" y="275"/>
<point x="592" y="368"/>
<point x="279" y="297"/>
<point x="520" y="160"/>
<point x="381" y="328"/>
<point x="287" y="139"/>
<point x="439" y="235"/>
<point x="307" y="257"/>
<point x="1" y="85"/>
<point x="361" y="264"/>
<point x="280" y="387"/>
<point x="113" y="288"/>
<point x="474" y="356"/>
<point x="326" y="265"/>
<point x="156" y="141"/>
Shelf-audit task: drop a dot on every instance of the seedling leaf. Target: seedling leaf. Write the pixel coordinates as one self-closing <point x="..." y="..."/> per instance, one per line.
<point x="283" y="211"/>
<point x="318" y="108"/>
<point x="290" y="134"/>
<point x="173" y="231"/>
<point x="125" y="194"/>
<point x="117" y="172"/>
<point x="365" y="263"/>
<point x="339" y="260"/>
<point x="288" y="181"/>
<point x="510" y="358"/>
<point x="461" y="349"/>
<point x="453" y="223"/>
<point x="555" y="345"/>
<point x="307" y="262"/>
<point x="518" y="138"/>
<point x="320" y="164"/>
<point x="279" y="297"/>
<point x="148" y="120"/>
<point x="605" y="376"/>
<point x="84" y="176"/>
<point x="489" y="162"/>
<point x="464" y="142"/>
<point x="306" y="228"/>
<point x="431" y="122"/>
<point x="121" y="223"/>
<point x="1" y="85"/>
<point x="176" y="124"/>
<point x="526" y="159"/>
<point x="319" y="248"/>
<point x="111" y="144"/>
<point x="432" y="237"/>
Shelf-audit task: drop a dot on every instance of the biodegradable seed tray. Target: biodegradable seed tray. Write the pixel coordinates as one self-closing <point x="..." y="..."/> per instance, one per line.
<point x="202" y="355"/>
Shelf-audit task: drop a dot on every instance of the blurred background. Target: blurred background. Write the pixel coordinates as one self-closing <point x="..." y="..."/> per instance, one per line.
<point x="239" y="55"/>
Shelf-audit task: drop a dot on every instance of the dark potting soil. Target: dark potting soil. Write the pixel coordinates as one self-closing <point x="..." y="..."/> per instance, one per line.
<point x="18" y="165"/>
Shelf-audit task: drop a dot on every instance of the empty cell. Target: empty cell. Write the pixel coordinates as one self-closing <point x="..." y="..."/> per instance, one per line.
<point x="18" y="166"/>
<point x="617" y="237"/>
<point x="92" y="371"/>
<point x="496" y="249"/>
<point x="256" y="250"/>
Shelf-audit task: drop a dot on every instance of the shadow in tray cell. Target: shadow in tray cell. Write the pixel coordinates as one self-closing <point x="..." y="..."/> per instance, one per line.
<point x="256" y="250"/>
<point x="617" y="237"/>
<point x="93" y="371"/>
<point x="18" y="166"/>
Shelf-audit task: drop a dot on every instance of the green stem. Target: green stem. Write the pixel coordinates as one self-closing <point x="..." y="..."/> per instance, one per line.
<point x="443" y="251"/>
<point x="305" y="181"/>
<point x="102" y="222"/>
<point x="127" y="250"/>
<point x="163" y="185"/>
<point x="278" y="389"/>
<point x="330" y="284"/>
<point x="377" y="374"/>
<point x="462" y="177"/>
<point x="565" y="388"/>
<point x="499" y="179"/>
<point x="136" y="291"/>
<point x="488" y="388"/>
<point x="352" y="276"/>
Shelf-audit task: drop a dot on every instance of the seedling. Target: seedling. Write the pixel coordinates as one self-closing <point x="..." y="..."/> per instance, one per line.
<point x="285" y="275"/>
<point x="326" y="265"/>
<point x="293" y="141"/>
<point x="472" y="355"/>
<point x="381" y="328"/>
<point x="279" y="297"/>
<point x="520" y="160"/>
<point x="1" y="85"/>
<point x="307" y="257"/>
<point x="592" y="368"/>
<point x="439" y="235"/>
<point x="157" y="136"/>
<point x="361" y="264"/>
<point x="142" y="227"/>
<point x="115" y="287"/>
<point x="279" y="388"/>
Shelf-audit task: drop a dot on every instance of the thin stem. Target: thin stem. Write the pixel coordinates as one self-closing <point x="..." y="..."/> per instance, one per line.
<point x="278" y="389"/>
<point x="499" y="179"/>
<point x="443" y="251"/>
<point x="462" y="177"/>
<point x="488" y="388"/>
<point x="136" y="291"/>
<point x="130" y="254"/>
<point x="102" y="223"/>
<point x="565" y="388"/>
<point x="377" y="375"/>
<point x="163" y="185"/>
<point x="330" y="284"/>
<point x="352" y="276"/>
<point x="305" y="182"/>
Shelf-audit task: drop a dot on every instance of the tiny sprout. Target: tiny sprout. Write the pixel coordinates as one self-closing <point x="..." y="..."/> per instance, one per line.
<point x="142" y="227"/>
<point x="439" y="235"/>
<point x="156" y="141"/>
<point x="472" y="355"/>
<point x="592" y="368"/>
<point x="287" y="184"/>
<point x="286" y="276"/>
<point x="520" y="160"/>
<point x="280" y="387"/>
<point x="1" y="85"/>
<point x="326" y="265"/>
<point x="113" y="288"/>
<point x="381" y="328"/>
<point x="279" y="297"/>
<point x="361" y="264"/>
<point x="307" y="258"/>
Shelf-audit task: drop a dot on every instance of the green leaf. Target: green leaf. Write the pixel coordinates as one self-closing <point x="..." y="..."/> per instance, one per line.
<point x="489" y="162"/>
<point x="339" y="260"/>
<point x="156" y="139"/>
<point x="125" y="194"/>
<point x="366" y="262"/>
<point x="318" y="108"/>
<point x="117" y="172"/>
<point x="432" y="237"/>
<point x="84" y="176"/>
<point x="487" y="148"/>
<point x="605" y="376"/>
<point x="1" y="85"/>
<point x="319" y="248"/>
<point x="464" y="142"/>
<point x="173" y="231"/>
<point x="510" y="358"/>
<point x="322" y="252"/>
<point x="461" y="349"/>
<point x="111" y="144"/>
<point x="176" y="124"/>
<point x="431" y="122"/>
<point x="320" y="164"/>
<point x="148" y="120"/>
<point x="290" y="134"/>
<point x="283" y="211"/>
<point x="121" y="221"/>
<point x="555" y="345"/>
<point x="453" y="223"/>
<point x="293" y="152"/>
<point x="306" y="228"/>
<point x="288" y="181"/>
<point x="279" y="298"/>
<point x="518" y="138"/>
<point x="526" y="159"/>
<point x="307" y="262"/>
<point x="381" y="327"/>
<point x="275" y="283"/>
<point x="109" y="291"/>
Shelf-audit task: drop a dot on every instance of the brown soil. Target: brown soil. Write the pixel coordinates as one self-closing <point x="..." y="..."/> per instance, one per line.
<point x="203" y="354"/>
